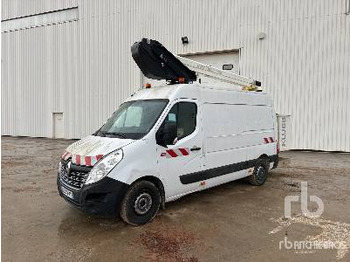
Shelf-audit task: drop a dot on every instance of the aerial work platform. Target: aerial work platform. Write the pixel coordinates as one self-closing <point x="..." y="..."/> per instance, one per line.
<point x="156" y="62"/>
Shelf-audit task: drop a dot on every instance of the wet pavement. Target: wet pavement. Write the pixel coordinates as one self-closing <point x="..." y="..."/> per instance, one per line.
<point x="232" y="222"/>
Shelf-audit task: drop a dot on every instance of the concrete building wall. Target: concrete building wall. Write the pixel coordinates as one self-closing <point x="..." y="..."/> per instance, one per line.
<point x="84" y="68"/>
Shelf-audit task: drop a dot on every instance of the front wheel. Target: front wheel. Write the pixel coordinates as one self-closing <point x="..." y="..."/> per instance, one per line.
<point x="141" y="203"/>
<point x="259" y="175"/>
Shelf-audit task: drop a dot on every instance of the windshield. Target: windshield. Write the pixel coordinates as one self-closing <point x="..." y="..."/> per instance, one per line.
<point x="133" y="119"/>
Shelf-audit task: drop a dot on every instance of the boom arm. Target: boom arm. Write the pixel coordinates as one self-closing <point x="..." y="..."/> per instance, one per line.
<point x="156" y="62"/>
<point x="218" y="74"/>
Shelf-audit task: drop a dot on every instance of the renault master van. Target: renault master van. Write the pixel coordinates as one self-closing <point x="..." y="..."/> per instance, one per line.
<point x="168" y="141"/>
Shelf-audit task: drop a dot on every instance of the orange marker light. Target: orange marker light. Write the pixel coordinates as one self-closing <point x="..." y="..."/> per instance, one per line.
<point x="181" y="80"/>
<point x="148" y="85"/>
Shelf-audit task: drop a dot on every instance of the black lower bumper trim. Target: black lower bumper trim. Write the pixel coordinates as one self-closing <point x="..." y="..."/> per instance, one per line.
<point x="275" y="160"/>
<point x="223" y="170"/>
<point x="102" y="198"/>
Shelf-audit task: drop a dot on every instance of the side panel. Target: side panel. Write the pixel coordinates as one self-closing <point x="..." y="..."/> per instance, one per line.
<point x="235" y="135"/>
<point x="261" y="132"/>
<point x="236" y="126"/>
<point x="139" y="161"/>
<point x="223" y="126"/>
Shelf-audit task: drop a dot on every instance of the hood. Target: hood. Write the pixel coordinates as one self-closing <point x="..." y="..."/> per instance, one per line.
<point x="90" y="149"/>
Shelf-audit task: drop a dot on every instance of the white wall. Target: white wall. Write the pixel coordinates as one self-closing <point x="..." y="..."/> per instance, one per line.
<point x="19" y="8"/>
<point x="84" y="68"/>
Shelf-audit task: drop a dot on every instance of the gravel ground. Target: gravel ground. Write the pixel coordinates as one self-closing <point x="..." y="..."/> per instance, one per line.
<point x="234" y="221"/>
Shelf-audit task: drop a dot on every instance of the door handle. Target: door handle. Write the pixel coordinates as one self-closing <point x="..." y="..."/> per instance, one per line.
<point x="195" y="148"/>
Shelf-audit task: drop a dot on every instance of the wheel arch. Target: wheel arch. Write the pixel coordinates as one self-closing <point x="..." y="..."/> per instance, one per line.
<point x="264" y="156"/>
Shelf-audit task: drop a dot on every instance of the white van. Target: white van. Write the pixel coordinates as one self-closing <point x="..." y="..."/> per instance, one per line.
<point x="166" y="142"/>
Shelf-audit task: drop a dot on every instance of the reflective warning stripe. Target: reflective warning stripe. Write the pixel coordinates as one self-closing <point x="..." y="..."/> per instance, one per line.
<point x="98" y="157"/>
<point x="88" y="160"/>
<point x="82" y="160"/>
<point x="171" y="153"/>
<point x="268" y="140"/>
<point x="66" y="155"/>
<point x="178" y="152"/>
<point x="184" y="151"/>
<point x="77" y="160"/>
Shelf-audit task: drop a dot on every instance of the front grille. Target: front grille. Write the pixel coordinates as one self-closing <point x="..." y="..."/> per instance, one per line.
<point x="76" y="176"/>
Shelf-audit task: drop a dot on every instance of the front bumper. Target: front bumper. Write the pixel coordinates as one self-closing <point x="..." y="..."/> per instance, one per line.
<point x="275" y="160"/>
<point x="103" y="197"/>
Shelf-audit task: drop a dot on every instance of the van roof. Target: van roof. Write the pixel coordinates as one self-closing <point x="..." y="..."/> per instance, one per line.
<point x="164" y="92"/>
<point x="215" y="94"/>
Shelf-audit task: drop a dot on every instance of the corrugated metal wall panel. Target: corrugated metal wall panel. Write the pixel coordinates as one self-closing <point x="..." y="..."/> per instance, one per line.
<point x="303" y="62"/>
<point x="18" y="8"/>
<point x="38" y="74"/>
<point x="107" y="32"/>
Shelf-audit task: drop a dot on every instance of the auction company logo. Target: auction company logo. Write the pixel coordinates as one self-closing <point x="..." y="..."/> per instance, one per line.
<point x="303" y="198"/>
<point x="309" y="245"/>
<point x="306" y="244"/>
<point x="334" y="235"/>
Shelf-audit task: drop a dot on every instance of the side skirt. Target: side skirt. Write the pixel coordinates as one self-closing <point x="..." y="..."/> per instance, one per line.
<point x="235" y="176"/>
<point x="218" y="171"/>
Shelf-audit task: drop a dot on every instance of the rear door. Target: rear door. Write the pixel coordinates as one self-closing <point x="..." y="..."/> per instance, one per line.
<point x="185" y="154"/>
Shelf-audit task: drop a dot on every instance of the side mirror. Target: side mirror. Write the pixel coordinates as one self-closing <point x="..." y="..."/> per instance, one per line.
<point x="166" y="134"/>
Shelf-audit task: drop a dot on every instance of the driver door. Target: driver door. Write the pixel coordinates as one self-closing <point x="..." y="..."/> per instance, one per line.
<point x="180" y="148"/>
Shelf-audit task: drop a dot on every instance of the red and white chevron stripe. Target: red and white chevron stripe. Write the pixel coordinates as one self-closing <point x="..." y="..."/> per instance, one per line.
<point x="82" y="160"/>
<point x="66" y="155"/>
<point x="268" y="140"/>
<point x="85" y="160"/>
<point x="178" y="152"/>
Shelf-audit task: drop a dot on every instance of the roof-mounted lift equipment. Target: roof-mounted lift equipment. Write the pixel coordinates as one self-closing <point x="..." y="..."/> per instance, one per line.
<point x="156" y="62"/>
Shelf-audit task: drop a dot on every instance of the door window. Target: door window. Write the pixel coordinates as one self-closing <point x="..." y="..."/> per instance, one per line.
<point x="179" y="123"/>
<point x="186" y="118"/>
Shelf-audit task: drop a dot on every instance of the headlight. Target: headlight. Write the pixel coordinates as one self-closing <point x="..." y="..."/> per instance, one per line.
<point x="103" y="167"/>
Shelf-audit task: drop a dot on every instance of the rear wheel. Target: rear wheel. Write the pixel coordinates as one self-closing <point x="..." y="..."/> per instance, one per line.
<point x="141" y="203"/>
<point x="259" y="175"/>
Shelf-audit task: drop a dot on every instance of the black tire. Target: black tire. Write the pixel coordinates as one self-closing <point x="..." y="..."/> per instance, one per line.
<point x="141" y="203"/>
<point x="259" y="175"/>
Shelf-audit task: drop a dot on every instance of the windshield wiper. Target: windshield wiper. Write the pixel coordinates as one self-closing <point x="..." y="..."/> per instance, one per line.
<point x="116" y="134"/>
